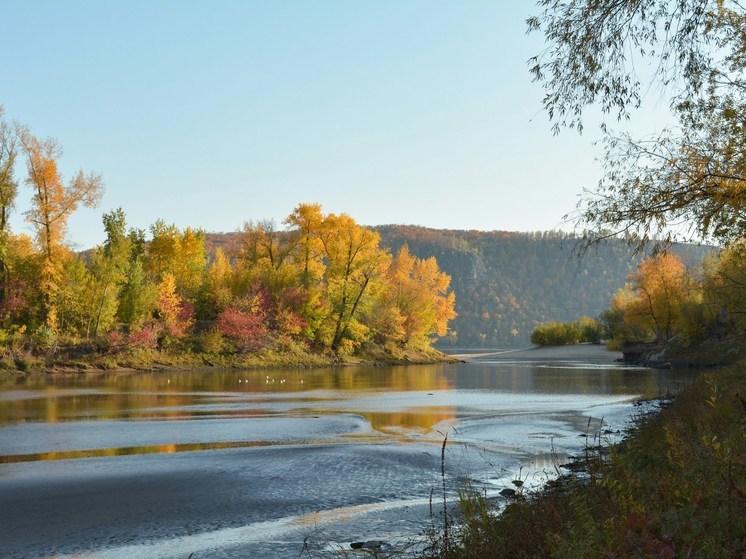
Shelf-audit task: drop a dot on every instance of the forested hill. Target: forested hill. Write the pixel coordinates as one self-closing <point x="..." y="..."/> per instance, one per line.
<point x="507" y="283"/>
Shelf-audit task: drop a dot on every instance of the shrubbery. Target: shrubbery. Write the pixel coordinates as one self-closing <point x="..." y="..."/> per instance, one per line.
<point x="564" y="333"/>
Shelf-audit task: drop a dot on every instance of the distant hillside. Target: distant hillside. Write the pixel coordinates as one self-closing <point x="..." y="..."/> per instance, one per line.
<point x="507" y="283"/>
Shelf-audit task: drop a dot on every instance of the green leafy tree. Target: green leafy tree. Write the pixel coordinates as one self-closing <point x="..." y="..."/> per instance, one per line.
<point x="74" y="304"/>
<point x="137" y="297"/>
<point x="108" y="269"/>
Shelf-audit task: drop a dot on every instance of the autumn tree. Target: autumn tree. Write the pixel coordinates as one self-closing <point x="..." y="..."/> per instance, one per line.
<point x="418" y="300"/>
<point x="724" y="286"/>
<point x="244" y="324"/>
<point x="690" y="180"/>
<point x="216" y="293"/>
<point x="22" y="293"/>
<point x="8" y="191"/>
<point x="52" y="205"/>
<point x="306" y="224"/>
<point x="661" y="288"/>
<point x="191" y="262"/>
<point x="265" y="256"/>
<point x="354" y="263"/>
<point x="180" y="253"/>
<point x="174" y="313"/>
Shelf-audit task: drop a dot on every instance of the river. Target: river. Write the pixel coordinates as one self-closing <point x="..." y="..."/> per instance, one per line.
<point x="252" y="464"/>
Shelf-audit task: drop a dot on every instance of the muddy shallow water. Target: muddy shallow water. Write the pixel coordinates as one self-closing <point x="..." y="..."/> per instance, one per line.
<point x="251" y="464"/>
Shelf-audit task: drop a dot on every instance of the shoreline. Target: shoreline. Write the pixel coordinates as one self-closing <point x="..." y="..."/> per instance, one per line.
<point x="697" y="430"/>
<point x="593" y="353"/>
<point x="174" y="363"/>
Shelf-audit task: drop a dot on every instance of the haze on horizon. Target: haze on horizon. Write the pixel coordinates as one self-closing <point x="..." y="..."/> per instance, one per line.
<point x="414" y="112"/>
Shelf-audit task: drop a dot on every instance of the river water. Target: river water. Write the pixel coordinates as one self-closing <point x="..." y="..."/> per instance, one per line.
<point x="253" y="464"/>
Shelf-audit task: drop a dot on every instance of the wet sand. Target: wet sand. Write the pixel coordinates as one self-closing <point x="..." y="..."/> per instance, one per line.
<point x="586" y="353"/>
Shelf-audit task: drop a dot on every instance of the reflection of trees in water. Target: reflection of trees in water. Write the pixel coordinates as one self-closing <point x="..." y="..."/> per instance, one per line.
<point x="421" y="420"/>
<point x="169" y="395"/>
<point x="164" y="395"/>
<point x="129" y="451"/>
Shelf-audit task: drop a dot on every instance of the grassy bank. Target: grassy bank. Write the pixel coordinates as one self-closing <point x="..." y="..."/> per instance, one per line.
<point x="675" y="488"/>
<point x="82" y="358"/>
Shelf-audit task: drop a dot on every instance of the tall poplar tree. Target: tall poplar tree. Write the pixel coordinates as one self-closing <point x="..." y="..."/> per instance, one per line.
<point x="354" y="263"/>
<point x="52" y="205"/>
<point x="8" y="191"/>
<point x="109" y="265"/>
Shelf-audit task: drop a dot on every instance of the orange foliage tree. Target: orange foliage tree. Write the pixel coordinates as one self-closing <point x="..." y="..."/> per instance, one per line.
<point x="416" y="298"/>
<point x="52" y="205"/>
<point x="660" y="287"/>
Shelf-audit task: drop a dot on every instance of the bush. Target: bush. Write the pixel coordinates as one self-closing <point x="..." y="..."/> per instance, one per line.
<point x="210" y="341"/>
<point x="45" y="338"/>
<point x="246" y="330"/>
<point x="565" y="333"/>
<point x="591" y="330"/>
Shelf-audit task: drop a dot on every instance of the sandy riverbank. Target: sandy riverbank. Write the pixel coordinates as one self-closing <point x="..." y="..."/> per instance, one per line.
<point x="588" y="353"/>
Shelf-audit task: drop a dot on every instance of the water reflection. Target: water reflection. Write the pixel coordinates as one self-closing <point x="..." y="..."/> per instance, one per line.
<point x="393" y="401"/>
<point x="128" y="451"/>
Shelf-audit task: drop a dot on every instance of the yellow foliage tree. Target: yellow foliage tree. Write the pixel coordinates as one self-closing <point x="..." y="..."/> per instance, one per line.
<point x="171" y="309"/>
<point x="216" y="294"/>
<point x="52" y="205"/>
<point x="355" y="263"/>
<point x="181" y="254"/>
<point x="661" y="286"/>
<point x="418" y="292"/>
<point x="725" y="285"/>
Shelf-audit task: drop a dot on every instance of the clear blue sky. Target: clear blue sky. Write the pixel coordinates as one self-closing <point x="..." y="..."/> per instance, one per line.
<point x="213" y="113"/>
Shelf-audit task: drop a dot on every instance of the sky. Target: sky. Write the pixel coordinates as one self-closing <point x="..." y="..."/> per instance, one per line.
<point x="210" y="114"/>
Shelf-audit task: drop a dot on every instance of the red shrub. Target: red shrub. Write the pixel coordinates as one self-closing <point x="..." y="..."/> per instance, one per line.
<point x="247" y="330"/>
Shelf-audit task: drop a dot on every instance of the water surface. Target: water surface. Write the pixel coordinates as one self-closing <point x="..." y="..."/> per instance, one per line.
<point x="251" y="463"/>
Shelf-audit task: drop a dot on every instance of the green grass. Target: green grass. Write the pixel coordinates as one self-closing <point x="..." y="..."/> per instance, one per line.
<point x="675" y="488"/>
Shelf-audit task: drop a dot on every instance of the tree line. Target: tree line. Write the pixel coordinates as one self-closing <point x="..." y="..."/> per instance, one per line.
<point x="664" y="303"/>
<point x="507" y="284"/>
<point x="321" y="282"/>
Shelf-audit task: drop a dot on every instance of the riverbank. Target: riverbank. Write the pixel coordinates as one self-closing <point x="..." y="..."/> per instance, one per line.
<point x="67" y="362"/>
<point x="676" y="487"/>
<point x="585" y="353"/>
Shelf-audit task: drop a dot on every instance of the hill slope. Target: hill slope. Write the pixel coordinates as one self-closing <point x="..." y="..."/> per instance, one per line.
<point x="508" y="283"/>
